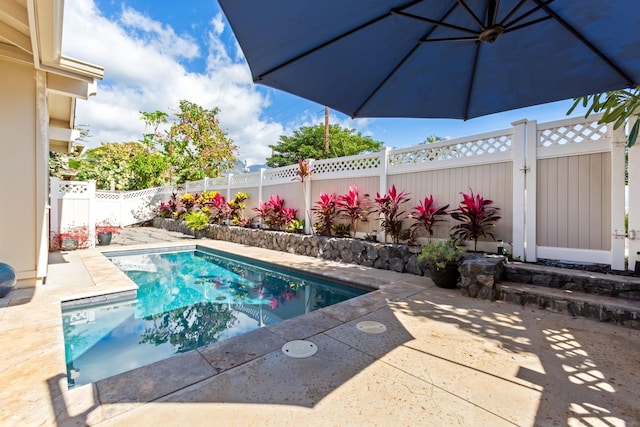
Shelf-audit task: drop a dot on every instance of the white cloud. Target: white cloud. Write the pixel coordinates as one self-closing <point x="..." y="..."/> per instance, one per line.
<point x="143" y="72"/>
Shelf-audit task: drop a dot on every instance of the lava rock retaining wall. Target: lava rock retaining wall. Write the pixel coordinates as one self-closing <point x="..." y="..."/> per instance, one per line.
<point x="385" y="256"/>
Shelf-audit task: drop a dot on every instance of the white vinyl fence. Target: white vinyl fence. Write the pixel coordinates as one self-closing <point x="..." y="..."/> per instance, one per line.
<point x="77" y="203"/>
<point x="559" y="185"/>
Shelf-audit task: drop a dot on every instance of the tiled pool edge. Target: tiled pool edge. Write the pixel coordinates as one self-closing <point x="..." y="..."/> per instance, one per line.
<point x="129" y="390"/>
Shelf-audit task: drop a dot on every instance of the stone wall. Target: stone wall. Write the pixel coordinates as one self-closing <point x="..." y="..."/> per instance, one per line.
<point x="385" y="256"/>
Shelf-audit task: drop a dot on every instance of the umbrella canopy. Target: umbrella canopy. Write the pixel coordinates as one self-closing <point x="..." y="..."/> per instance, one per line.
<point x="438" y="58"/>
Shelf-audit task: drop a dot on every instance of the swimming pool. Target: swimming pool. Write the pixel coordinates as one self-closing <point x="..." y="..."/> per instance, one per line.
<point x="186" y="298"/>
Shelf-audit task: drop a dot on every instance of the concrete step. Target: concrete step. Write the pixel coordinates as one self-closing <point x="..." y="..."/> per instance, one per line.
<point x="619" y="311"/>
<point x="564" y="279"/>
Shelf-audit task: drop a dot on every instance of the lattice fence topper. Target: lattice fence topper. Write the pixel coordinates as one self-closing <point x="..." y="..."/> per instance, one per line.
<point x="287" y="173"/>
<point x="220" y="181"/>
<point x="347" y="165"/>
<point x="149" y="192"/>
<point x="73" y="187"/>
<point x="478" y="147"/>
<point x="100" y="195"/>
<point x="572" y="134"/>
<point x="246" y="179"/>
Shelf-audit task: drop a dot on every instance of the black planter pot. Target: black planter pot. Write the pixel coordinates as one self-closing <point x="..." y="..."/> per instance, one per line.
<point x="104" y="238"/>
<point x="446" y="277"/>
<point x="198" y="234"/>
<point x="68" y="244"/>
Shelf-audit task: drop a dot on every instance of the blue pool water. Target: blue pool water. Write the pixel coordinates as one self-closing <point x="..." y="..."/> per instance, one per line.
<point x="186" y="299"/>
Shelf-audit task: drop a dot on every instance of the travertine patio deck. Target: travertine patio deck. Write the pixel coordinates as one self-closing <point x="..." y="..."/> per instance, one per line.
<point x="444" y="360"/>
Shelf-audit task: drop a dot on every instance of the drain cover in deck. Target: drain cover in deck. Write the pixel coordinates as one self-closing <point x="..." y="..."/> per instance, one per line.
<point x="299" y="348"/>
<point x="371" y="327"/>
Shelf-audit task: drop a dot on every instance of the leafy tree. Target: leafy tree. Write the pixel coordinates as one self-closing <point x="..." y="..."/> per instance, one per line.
<point x="110" y="162"/>
<point x="196" y="145"/>
<point x="308" y="143"/>
<point x="431" y="139"/>
<point x="617" y="107"/>
<point x="154" y="139"/>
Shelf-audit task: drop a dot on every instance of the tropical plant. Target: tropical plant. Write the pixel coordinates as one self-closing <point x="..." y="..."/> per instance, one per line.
<point x="69" y="238"/>
<point x="107" y="226"/>
<point x="617" y="107"/>
<point x="325" y="212"/>
<point x="438" y="254"/>
<point x="426" y="216"/>
<point x="218" y="209"/>
<point x="476" y="218"/>
<point x="196" y="220"/>
<point x="354" y="207"/>
<point x="188" y="200"/>
<point x="340" y="230"/>
<point x="389" y="207"/>
<point x="304" y="171"/>
<point x="274" y="214"/>
<point x="236" y="208"/>
<point x="295" y="226"/>
<point x="168" y="209"/>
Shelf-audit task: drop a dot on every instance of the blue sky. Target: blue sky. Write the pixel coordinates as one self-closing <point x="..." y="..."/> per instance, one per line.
<point x="156" y="53"/>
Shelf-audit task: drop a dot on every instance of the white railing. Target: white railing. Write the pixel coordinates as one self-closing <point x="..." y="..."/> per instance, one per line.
<point x="501" y="165"/>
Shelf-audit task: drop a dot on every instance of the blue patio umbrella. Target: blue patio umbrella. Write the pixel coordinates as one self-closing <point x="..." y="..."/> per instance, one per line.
<point x="438" y="58"/>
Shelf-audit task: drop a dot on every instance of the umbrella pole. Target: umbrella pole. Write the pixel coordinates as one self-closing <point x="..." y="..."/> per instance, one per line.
<point x="326" y="132"/>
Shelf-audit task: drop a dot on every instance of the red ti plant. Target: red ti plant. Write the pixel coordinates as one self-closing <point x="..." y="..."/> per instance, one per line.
<point x="218" y="209"/>
<point x="427" y="215"/>
<point x="476" y="217"/>
<point x="389" y="207"/>
<point x="106" y="226"/>
<point x="354" y="207"/>
<point x="263" y="210"/>
<point x="304" y="170"/>
<point x="325" y="211"/>
<point x="274" y="214"/>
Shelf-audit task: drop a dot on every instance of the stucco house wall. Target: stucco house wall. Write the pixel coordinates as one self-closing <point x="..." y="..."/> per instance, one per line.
<point x="38" y="91"/>
<point x="18" y="225"/>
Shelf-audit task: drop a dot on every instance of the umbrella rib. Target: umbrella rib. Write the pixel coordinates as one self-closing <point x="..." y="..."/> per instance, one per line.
<point x="528" y="13"/>
<point x="372" y="94"/>
<point x="473" y="15"/>
<point x="337" y="38"/>
<point x="433" y="21"/>
<point x="450" y="39"/>
<point x="513" y="11"/>
<point x="586" y="42"/>
<point x="518" y="27"/>
<point x="471" y="81"/>
<point x="492" y="14"/>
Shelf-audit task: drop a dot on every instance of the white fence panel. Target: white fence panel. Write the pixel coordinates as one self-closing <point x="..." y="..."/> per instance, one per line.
<point x="348" y="167"/>
<point x="480" y="149"/>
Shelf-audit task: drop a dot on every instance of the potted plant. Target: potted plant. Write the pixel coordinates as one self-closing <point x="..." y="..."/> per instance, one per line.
<point x="105" y="231"/>
<point x="443" y="259"/>
<point x="70" y="238"/>
<point x="196" y="221"/>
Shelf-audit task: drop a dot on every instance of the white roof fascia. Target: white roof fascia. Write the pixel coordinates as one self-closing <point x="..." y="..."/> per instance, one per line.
<point x="63" y="134"/>
<point x="70" y="87"/>
<point x="45" y="24"/>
